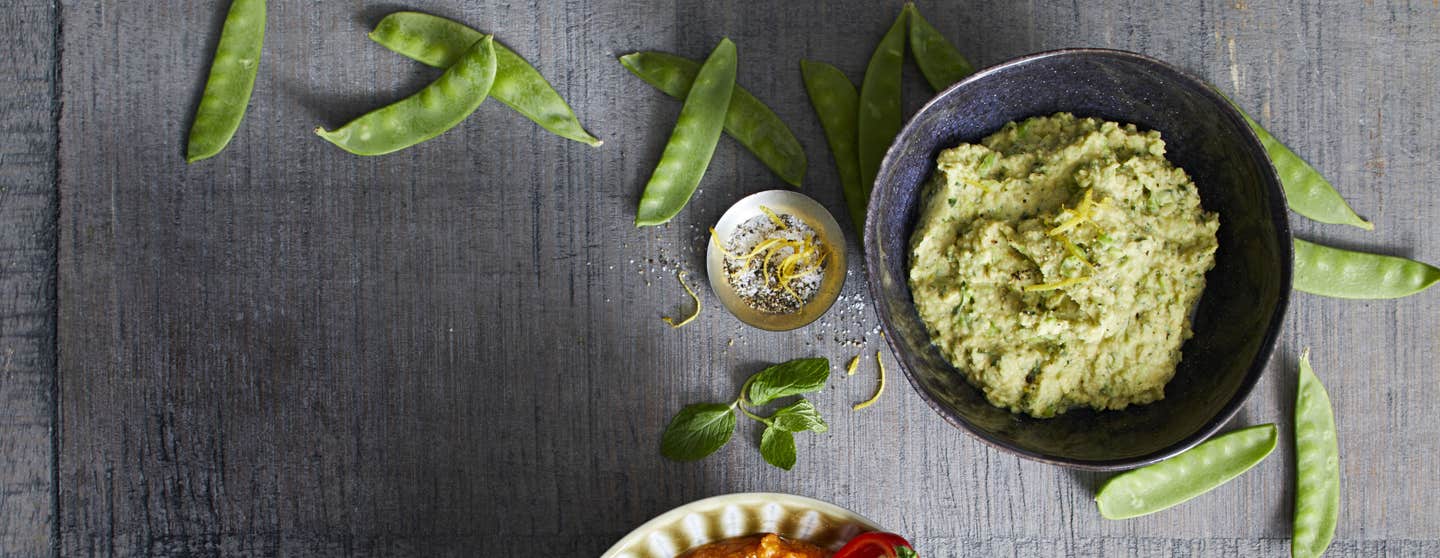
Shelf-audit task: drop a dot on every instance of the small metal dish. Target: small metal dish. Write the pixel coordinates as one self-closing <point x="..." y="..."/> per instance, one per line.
<point x="803" y="208"/>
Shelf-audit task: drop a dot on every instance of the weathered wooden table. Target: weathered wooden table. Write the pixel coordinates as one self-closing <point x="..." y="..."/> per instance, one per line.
<point x="456" y="349"/>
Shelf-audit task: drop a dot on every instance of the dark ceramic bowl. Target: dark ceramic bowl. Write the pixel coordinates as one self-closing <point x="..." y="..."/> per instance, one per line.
<point x="1238" y="316"/>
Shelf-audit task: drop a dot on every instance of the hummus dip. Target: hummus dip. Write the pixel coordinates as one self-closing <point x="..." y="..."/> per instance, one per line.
<point x="1056" y="263"/>
<point x="758" y="546"/>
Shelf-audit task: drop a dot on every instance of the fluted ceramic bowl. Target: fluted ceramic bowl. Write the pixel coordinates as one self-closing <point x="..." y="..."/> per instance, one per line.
<point x="1237" y="319"/>
<point x="737" y="515"/>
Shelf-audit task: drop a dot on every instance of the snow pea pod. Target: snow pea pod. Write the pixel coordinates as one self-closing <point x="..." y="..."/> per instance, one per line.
<point x="1337" y="273"/>
<point x="1198" y="470"/>
<point x="748" y="120"/>
<point x="232" y="78"/>
<point x="1306" y="191"/>
<point x="693" y="141"/>
<point x="1317" y="467"/>
<point x="426" y="114"/>
<point x="440" y="42"/>
<point x="836" y="102"/>
<point x="941" y="64"/>
<point x="878" y="120"/>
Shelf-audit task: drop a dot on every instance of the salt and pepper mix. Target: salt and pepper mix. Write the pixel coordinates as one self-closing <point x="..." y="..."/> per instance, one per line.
<point x="775" y="262"/>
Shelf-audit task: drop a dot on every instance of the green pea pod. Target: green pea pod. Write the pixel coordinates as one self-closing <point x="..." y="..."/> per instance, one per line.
<point x="1156" y="487"/>
<point x="232" y="78"/>
<point x="692" y="143"/>
<point x="426" y="114"/>
<point x="1306" y="191"/>
<point x="941" y="64"/>
<point x="878" y="121"/>
<point x="1317" y="467"/>
<point x="440" y="42"/>
<point x="748" y="120"/>
<point x="836" y="102"/>
<point x="1337" y="273"/>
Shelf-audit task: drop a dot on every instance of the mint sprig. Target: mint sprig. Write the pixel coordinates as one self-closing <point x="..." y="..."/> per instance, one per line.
<point x="701" y="429"/>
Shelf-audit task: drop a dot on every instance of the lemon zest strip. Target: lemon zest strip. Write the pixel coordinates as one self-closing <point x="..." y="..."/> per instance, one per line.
<point x="764" y="246"/>
<point x="1075" y="251"/>
<point x="715" y="238"/>
<point x="854" y="363"/>
<point x="1082" y="214"/>
<point x="779" y="223"/>
<point x="680" y="276"/>
<point x="765" y="269"/>
<point x="879" y="390"/>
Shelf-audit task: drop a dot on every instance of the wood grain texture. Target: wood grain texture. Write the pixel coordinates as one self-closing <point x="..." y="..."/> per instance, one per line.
<point x="289" y="350"/>
<point x="27" y="277"/>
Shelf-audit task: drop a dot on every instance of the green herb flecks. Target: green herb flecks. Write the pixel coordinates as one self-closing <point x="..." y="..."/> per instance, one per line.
<point x="701" y="429"/>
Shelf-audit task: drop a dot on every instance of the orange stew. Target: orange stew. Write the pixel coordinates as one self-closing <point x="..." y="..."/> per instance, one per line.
<point x="757" y="546"/>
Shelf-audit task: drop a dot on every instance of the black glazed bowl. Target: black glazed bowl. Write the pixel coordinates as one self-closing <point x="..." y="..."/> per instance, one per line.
<point x="1238" y="316"/>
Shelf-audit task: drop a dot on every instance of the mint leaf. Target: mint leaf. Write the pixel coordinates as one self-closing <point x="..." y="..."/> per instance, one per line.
<point x="905" y="552"/>
<point x="697" y="431"/>
<point x="795" y="377"/>
<point x="799" y="416"/>
<point x="778" y="448"/>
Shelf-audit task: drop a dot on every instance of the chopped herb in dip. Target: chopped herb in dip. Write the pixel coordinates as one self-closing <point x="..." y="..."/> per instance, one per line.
<point x="1056" y="263"/>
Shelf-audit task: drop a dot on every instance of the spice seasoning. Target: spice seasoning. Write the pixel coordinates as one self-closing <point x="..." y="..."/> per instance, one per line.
<point x="775" y="262"/>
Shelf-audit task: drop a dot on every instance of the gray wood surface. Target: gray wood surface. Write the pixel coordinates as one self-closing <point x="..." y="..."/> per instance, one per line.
<point x="27" y="277"/>
<point x="288" y="350"/>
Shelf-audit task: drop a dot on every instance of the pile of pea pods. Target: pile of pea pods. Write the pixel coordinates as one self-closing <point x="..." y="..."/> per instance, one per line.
<point x="692" y="143"/>
<point x="712" y="103"/>
<point x="476" y="67"/>
<point x="859" y="125"/>
<point x="1334" y="272"/>
<point x="1317" y="470"/>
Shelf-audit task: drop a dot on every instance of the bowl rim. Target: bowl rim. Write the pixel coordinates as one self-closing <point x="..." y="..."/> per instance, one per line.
<point x="678" y="513"/>
<point x="1279" y="214"/>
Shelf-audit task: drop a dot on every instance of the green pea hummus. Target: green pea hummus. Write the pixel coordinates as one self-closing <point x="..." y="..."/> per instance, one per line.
<point x="1056" y="263"/>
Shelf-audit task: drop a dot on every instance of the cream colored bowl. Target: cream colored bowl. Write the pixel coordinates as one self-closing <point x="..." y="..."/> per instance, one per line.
<point x="736" y="515"/>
